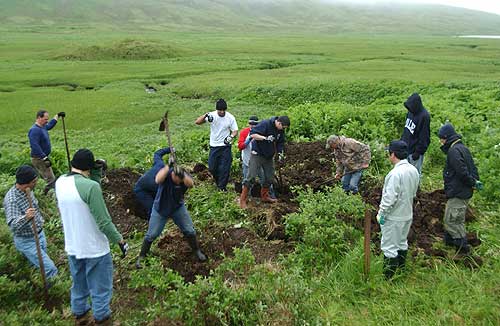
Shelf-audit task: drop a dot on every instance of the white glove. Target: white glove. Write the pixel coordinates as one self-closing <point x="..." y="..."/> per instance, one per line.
<point x="270" y="138"/>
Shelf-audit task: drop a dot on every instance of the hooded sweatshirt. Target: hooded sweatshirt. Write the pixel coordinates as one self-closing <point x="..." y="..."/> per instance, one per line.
<point x="460" y="172"/>
<point x="417" y="132"/>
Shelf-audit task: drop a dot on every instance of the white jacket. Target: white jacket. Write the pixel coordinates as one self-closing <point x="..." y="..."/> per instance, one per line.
<point x="400" y="187"/>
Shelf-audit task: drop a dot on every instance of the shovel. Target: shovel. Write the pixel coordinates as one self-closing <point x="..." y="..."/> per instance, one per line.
<point x="368" y="222"/>
<point x="164" y="127"/>
<point x="38" y="250"/>
<point x="66" y="143"/>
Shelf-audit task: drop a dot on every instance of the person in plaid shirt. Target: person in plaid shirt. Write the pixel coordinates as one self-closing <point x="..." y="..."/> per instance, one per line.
<point x="18" y="216"/>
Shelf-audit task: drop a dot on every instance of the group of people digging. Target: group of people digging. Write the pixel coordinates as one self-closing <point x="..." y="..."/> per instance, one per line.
<point x="88" y="227"/>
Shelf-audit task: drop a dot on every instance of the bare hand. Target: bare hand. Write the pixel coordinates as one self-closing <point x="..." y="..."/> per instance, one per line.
<point x="337" y="176"/>
<point x="30" y="213"/>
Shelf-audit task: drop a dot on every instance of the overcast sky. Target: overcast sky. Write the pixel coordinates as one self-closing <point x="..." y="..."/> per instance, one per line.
<point x="483" y="5"/>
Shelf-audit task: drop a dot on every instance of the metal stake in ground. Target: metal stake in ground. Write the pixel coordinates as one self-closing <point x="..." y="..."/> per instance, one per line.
<point x="38" y="250"/>
<point x="164" y="126"/>
<point x="368" y="222"/>
<point x="66" y="143"/>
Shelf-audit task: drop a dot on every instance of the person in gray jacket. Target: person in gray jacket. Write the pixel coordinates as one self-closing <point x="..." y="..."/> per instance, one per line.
<point x="395" y="213"/>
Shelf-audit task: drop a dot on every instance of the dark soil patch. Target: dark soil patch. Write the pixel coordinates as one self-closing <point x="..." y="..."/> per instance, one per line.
<point x="216" y="243"/>
<point x="127" y="214"/>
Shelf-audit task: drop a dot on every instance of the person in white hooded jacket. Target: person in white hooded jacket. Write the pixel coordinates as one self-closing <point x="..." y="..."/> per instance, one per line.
<point x="395" y="213"/>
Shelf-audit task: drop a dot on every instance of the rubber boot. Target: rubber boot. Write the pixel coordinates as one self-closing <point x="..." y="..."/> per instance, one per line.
<point x="105" y="322"/>
<point x="264" y="196"/>
<point x="402" y="258"/>
<point x="193" y="243"/>
<point x="243" y="197"/>
<point x="390" y="266"/>
<point x="448" y="240"/>
<point x="463" y="246"/>
<point x="146" y="246"/>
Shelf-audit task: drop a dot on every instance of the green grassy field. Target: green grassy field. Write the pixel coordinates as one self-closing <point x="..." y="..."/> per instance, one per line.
<point x="357" y="82"/>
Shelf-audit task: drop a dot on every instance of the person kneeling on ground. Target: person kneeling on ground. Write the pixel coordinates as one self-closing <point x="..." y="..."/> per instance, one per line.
<point x="88" y="229"/>
<point x="460" y="178"/>
<point x="269" y="138"/>
<point x="395" y="213"/>
<point x="18" y="215"/>
<point x="145" y="188"/>
<point x="351" y="158"/>
<point x="173" y="183"/>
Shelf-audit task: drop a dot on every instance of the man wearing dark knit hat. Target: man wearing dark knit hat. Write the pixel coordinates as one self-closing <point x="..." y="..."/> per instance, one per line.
<point x="18" y="215"/>
<point x="223" y="129"/>
<point x="460" y="178"/>
<point x="88" y="229"/>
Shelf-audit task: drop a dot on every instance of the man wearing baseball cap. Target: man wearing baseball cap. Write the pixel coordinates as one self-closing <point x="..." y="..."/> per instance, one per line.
<point x="395" y="213"/>
<point x="18" y="215"/>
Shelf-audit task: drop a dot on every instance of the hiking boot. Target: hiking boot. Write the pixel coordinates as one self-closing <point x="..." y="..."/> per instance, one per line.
<point x="243" y="197"/>
<point x="264" y="196"/>
<point x="193" y="243"/>
<point x="84" y="320"/>
<point x="390" y="266"/>
<point x="146" y="246"/>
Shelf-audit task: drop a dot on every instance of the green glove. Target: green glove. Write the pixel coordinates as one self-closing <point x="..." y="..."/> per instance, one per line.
<point x="381" y="219"/>
<point x="479" y="185"/>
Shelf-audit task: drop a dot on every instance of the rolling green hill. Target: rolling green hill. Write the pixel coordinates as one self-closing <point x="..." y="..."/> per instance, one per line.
<point x="247" y="15"/>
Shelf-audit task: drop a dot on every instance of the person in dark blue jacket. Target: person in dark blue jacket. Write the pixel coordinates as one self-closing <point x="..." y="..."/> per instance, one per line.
<point x="417" y="132"/>
<point x="460" y="178"/>
<point x="173" y="182"/>
<point x="38" y="136"/>
<point x="146" y="187"/>
<point x="269" y="138"/>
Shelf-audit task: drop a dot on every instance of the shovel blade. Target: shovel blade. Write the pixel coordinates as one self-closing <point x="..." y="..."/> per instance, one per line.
<point x="162" y="126"/>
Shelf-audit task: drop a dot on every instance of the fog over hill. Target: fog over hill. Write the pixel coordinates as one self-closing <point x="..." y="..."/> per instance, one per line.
<point x="316" y="16"/>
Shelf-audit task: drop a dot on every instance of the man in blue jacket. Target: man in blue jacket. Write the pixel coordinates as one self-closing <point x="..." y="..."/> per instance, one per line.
<point x="146" y="187"/>
<point x="417" y="132"/>
<point x="38" y="136"/>
<point x="269" y="138"/>
<point x="460" y="178"/>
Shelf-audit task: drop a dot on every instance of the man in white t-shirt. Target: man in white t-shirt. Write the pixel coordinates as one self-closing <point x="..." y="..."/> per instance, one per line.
<point x="223" y="129"/>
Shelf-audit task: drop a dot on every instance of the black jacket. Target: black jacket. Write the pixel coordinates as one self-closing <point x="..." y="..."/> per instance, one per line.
<point x="263" y="147"/>
<point x="460" y="173"/>
<point x="417" y="131"/>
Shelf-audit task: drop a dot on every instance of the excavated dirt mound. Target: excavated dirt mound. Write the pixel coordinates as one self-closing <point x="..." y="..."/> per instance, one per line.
<point x="127" y="214"/>
<point x="216" y="243"/>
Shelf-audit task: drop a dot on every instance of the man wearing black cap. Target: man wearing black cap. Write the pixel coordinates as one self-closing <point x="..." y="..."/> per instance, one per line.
<point x="417" y="132"/>
<point x="223" y="129"/>
<point x="395" y="212"/>
<point x="460" y="178"/>
<point x="88" y="229"/>
<point x="269" y="139"/>
<point x="18" y="215"/>
<point x="38" y="136"/>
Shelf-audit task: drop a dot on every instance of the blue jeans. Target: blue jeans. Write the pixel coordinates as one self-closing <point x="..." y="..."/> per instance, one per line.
<point x="417" y="163"/>
<point x="27" y="246"/>
<point x="181" y="219"/>
<point x="146" y="199"/>
<point x="219" y="165"/>
<point x="92" y="277"/>
<point x="350" y="181"/>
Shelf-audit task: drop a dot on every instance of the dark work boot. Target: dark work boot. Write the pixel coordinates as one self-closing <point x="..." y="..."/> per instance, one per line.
<point x="390" y="266"/>
<point x="463" y="246"/>
<point x="84" y="320"/>
<point x="146" y="246"/>
<point x="402" y="258"/>
<point x="448" y="240"/>
<point x="193" y="243"/>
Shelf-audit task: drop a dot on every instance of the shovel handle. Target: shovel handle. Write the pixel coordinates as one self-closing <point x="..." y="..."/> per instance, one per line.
<point x="38" y="249"/>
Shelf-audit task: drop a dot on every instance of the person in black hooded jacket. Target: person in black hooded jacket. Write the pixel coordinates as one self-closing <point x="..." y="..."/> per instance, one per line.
<point x="460" y="178"/>
<point x="417" y="132"/>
